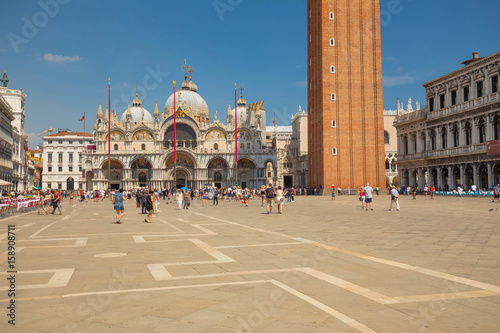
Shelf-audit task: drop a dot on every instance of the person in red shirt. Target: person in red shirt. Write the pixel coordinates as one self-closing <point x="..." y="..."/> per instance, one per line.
<point x="57" y="203"/>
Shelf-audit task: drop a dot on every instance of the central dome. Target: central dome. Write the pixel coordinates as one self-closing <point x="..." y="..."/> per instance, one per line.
<point x="139" y="114"/>
<point x="193" y="101"/>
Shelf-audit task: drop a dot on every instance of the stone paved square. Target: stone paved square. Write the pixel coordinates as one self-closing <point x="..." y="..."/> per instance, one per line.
<point x="322" y="266"/>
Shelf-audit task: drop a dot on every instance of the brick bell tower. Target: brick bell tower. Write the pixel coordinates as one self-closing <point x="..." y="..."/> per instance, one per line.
<point x="345" y="106"/>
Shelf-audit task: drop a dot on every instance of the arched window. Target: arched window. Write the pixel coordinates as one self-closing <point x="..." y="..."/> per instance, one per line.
<point x="115" y="147"/>
<point x="386" y="137"/>
<point x="143" y="146"/>
<point x="216" y="146"/>
<point x="468" y="134"/>
<point x="142" y="177"/>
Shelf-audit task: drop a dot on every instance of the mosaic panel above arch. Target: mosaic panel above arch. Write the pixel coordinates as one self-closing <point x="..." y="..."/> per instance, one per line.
<point x="217" y="163"/>
<point x="244" y="135"/>
<point x="117" y="136"/>
<point x="215" y="135"/>
<point x="141" y="163"/>
<point x="142" y="135"/>
<point x="182" y="159"/>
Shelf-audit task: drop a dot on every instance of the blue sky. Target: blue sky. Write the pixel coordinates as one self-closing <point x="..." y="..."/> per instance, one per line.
<point x="63" y="64"/>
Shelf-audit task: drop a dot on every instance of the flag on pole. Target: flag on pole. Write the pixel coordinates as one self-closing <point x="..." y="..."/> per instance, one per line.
<point x="82" y="119"/>
<point x="274" y="120"/>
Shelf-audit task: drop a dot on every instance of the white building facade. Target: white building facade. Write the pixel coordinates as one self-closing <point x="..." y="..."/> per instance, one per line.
<point x="446" y="143"/>
<point x="62" y="160"/>
<point x="22" y="169"/>
<point x="6" y="143"/>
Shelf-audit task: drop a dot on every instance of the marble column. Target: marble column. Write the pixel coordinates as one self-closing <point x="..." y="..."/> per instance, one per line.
<point x="475" y="173"/>
<point x="451" y="181"/>
<point x="439" y="177"/>
<point x="430" y="178"/>
<point x="490" y="175"/>
<point x="421" y="178"/>
<point x="462" y="175"/>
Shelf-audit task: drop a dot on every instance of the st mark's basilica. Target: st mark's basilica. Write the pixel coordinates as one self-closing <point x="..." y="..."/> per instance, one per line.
<point x="142" y="145"/>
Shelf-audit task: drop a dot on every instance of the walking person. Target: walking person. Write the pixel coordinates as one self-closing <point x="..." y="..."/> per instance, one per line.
<point x="144" y="196"/>
<point x="118" y="199"/>
<point x="263" y="194"/>
<point x="394" y="198"/>
<point x="269" y="198"/>
<point x="496" y="193"/>
<point x="138" y="198"/>
<point x="333" y="192"/>
<point x="56" y="202"/>
<point x="205" y="197"/>
<point x="179" y="198"/>
<point x="42" y="203"/>
<point x="280" y="199"/>
<point x="186" y="199"/>
<point x="71" y="196"/>
<point x="149" y="205"/>
<point x="216" y="198"/>
<point x="368" y="196"/>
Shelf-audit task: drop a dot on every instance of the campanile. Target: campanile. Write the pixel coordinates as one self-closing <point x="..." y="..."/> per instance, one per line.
<point x="345" y="106"/>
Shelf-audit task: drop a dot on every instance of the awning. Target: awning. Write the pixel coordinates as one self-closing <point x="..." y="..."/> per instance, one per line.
<point x="37" y="187"/>
<point x="3" y="182"/>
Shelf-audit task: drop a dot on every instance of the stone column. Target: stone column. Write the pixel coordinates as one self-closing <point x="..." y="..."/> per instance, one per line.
<point x="490" y="175"/>
<point x="486" y="82"/>
<point x="462" y="175"/>
<point x="459" y="92"/>
<point x="475" y="136"/>
<point x="451" y="182"/>
<point x="400" y="178"/>
<point x="430" y="179"/>
<point x="411" y="178"/>
<point x="475" y="174"/>
<point x="421" y="178"/>
<point x="439" y="177"/>
<point x="489" y="127"/>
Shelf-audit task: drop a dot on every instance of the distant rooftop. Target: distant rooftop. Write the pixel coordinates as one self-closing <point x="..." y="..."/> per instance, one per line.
<point x="85" y="134"/>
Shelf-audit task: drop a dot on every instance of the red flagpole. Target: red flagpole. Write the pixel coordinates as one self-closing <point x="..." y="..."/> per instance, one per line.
<point x="175" y="130"/>
<point x="109" y="121"/>
<point x="236" y="121"/>
<point x="175" y="142"/>
<point x="236" y="132"/>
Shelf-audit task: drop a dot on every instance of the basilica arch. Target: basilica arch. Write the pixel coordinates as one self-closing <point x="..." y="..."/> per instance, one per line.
<point x="141" y="172"/>
<point x="185" y="170"/>
<point x="218" y="172"/>
<point x="116" y="173"/>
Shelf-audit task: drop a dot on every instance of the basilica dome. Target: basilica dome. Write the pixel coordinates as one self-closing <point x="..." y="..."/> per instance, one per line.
<point x="138" y="113"/>
<point x="188" y="98"/>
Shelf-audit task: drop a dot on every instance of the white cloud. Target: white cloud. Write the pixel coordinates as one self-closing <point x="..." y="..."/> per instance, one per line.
<point x="391" y="59"/>
<point x="60" y="58"/>
<point x="301" y="83"/>
<point x="33" y="140"/>
<point x="391" y="81"/>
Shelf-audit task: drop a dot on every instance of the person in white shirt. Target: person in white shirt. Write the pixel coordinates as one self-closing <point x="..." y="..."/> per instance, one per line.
<point x="473" y="188"/>
<point x="394" y="198"/>
<point x="368" y="196"/>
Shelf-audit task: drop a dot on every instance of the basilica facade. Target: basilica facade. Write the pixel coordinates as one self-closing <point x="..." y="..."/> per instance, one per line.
<point x="142" y="145"/>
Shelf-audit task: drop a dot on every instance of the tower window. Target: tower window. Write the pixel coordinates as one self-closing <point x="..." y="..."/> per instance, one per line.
<point x="332" y="69"/>
<point x="332" y="42"/>
<point x="332" y="16"/>
<point x="334" y="123"/>
<point x="334" y="151"/>
<point x="333" y="97"/>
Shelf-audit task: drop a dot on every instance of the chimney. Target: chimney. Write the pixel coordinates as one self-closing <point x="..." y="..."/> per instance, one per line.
<point x="475" y="55"/>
